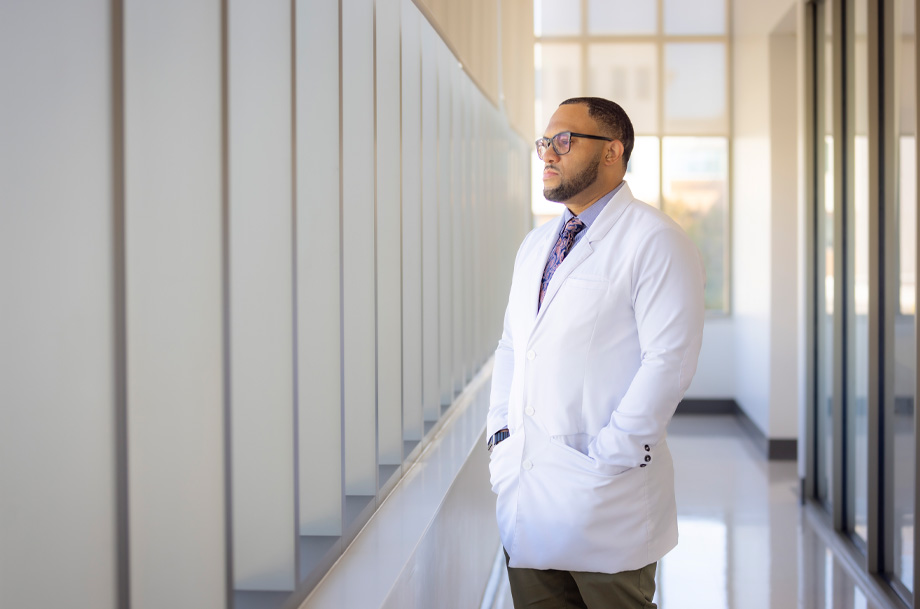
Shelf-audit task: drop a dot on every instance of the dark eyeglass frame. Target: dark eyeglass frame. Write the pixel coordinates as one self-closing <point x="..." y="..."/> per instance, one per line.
<point x="546" y="142"/>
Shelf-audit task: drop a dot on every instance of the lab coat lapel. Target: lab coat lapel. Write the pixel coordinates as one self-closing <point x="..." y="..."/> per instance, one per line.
<point x="582" y="250"/>
<point x="537" y="266"/>
<point x="579" y="254"/>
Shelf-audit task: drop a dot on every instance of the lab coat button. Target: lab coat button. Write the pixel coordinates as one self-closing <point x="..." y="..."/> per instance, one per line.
<point x="648" y="458"/>
<point x="642" y="465"/>
<point x="528" y="465"/>
<point x="647" y="449"/>
<point x="529" y="410"/>
<point x="531" y="355"/>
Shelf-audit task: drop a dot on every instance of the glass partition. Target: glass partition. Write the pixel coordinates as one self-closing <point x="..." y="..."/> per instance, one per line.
<point x="902" y="475"/>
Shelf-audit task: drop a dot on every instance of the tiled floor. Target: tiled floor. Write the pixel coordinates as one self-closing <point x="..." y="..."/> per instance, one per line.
<point x="745" y="542"/>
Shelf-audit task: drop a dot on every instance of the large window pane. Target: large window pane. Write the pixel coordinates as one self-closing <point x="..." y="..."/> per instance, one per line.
<point x="824" y="273"/>
<point x="643" y="173"/>
<point x="903" y="471"/>
<point x="557" y="17"/>
<point x="903" y="466"/>
<point x="622" y="17"/>
<point x="695" y="88"/>
<point x="694" y="189"/>
<point x="857" y="270"/>
<point x="558" y="77"/>
<point x="697" y="17"/>
<point x="627" y="74"/>
<point x="907" y="223"/>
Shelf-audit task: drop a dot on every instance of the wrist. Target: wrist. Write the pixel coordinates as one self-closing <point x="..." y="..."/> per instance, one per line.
<point x="497" y="437"/>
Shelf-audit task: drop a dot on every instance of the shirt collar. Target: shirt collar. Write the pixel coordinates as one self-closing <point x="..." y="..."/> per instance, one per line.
<point x="589" y="215"/>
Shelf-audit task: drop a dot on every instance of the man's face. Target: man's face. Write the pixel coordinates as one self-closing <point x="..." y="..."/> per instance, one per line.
<point x="567" y="175"/>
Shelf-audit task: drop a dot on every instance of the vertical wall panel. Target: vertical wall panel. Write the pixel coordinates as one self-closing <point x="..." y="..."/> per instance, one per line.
<point x="358" y="248"/>
<point x="446" y="65"/>
<point x="489" y="190"/>
<point x="411" y="222"/>
<point x="261" y="324"/>
<point x="173" y="207"/>
<point x="319" y="325"/>
<point x="457" y="195"/>
<point x="389" y="231"/>
<point x="470" y="97"/>
<point x="476" y="234"/>
<point x="430" y="229"/>
<point x="57" y="386"/>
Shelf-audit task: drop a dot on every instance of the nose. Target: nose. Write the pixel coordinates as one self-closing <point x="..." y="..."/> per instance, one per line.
<point x="549" y="154"/>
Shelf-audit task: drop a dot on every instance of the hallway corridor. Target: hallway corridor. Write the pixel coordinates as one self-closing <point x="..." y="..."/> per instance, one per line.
<point x="745" y="543"/>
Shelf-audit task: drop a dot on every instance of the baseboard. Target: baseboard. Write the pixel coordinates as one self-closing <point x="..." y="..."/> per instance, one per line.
<point x="707" y="406"/>
<point x="774" y="449"/>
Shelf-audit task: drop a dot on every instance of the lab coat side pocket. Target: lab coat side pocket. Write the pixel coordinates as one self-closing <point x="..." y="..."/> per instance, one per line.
<point x="504" y="474"/>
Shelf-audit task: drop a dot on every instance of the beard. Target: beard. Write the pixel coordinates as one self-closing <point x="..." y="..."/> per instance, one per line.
<point x="569" y="188"/>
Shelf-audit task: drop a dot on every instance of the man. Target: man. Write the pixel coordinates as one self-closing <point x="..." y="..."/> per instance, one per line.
<point x="601" y="338"/>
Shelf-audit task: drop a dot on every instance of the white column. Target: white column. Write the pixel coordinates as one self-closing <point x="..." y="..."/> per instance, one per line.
<point x="431" y="397"/>
<point x="57" y="328"/>
<point x="389" y="237"/>
<point x="446" y="66"/>
<point x="411" y="223"/>
<point x="175" y="308"/>
<point x="358" y="248"/>
<point x="319" y="317"/>
<point x="458" y="194"/>
<point x="261" y="316"/>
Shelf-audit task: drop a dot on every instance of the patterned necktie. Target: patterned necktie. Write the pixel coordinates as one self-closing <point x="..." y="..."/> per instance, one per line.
<point x="560" y="251"/>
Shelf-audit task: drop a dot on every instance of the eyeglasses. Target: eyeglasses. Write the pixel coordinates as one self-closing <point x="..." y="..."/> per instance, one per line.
<point x="562" y="142"/>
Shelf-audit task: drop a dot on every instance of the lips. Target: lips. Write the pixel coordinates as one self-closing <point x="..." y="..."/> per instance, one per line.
<point x="549" y="171"/>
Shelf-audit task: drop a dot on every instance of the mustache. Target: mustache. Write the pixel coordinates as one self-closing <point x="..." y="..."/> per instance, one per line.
<point x="553" y="167"/>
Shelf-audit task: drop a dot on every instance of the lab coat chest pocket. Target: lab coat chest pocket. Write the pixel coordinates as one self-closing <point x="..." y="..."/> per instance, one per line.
<point x="580" y="299"/>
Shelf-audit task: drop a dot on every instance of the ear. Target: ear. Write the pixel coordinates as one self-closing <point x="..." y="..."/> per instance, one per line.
<point x="614" y="152"/>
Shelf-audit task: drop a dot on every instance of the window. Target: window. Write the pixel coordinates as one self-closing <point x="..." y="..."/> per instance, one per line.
<point x="669" y="71"/>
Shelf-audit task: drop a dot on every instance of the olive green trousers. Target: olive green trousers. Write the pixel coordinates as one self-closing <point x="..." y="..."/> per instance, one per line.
<point x="551" y="589"/>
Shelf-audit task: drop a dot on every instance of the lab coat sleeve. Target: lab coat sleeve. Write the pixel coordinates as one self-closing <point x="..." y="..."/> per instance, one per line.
<point x="502" y="374"/>
<point x="668" y="303"/>
<point x="503" y="370"/>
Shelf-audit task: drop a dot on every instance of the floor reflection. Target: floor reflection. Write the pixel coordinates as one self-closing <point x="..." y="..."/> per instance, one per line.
<point x="745" y="543"/>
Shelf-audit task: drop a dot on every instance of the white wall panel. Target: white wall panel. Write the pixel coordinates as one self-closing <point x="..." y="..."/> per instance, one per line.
<point x="358" y="247"/>
<point x="751" y="229"/>
<point x="446" y="66"/>
<point x="488" y="237"/>
<point x="175" y="347"/>
<point x="714" y="376"/>
<point x="458" y="194"/>
<point x="261" y="322"/>
<point x="478" y="225"/>
<point x="411" y="222"/>
<point x="57" y="384"/>
<point x="389" y="237"/>
<point x="784" y="381"/>
<point x="430" y="228"/>
<point x="470" y="96"/>
<point x="319" y="321"/>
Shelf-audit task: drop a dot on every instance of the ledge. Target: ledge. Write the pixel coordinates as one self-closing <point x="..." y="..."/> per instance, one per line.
<point x="443" y="500"/>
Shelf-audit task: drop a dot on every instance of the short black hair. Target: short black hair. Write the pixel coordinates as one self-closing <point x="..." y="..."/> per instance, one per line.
<point x="611" y="118"/>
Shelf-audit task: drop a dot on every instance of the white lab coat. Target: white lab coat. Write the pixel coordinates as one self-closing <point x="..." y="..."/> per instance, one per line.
<point x="587" y="387"/>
